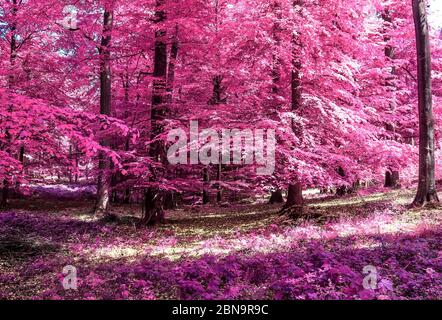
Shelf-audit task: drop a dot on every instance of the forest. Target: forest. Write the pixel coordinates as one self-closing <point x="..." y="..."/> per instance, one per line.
<point x="220" y="149"/>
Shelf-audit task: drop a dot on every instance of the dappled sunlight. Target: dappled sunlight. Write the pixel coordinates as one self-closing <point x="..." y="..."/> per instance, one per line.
<point x="236" y="249"/>
<point x="273" y="238"/>
<point x="220" y="150"/>
<point x="116" y="252"/>
<point x="343" y="202"/>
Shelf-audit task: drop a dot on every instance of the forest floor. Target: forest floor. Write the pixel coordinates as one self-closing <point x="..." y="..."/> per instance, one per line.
<point x="238" y="252"/>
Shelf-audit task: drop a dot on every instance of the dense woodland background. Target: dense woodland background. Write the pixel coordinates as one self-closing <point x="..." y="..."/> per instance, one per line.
<point x="90" y="89"/>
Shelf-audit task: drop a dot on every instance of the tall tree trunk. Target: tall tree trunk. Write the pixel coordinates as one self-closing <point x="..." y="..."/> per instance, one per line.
<point x="294" y="194"/>
<point x="171" y="198"/>
<point x="104" y="163"/>
<point x="219" y="192"/>
<point x="426" y="191"/>
<point x="391" y="175"/>
<point x="153" y="208"/>
<point x="218" y="97"/>
<point x="126" y="86"/>
<point x="76" y="164"/>
<point x="70" y="159"/>
<point x="11" y="80"/>
<point x="171" y="68"/>
<point x="206" y="179"/>
<point x="276" y="195"/>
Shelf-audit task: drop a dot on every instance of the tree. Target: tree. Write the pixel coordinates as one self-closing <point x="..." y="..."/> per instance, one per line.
<point x="12" y="60"/>
<point x="153" y="207"/>
<point x="294" y="194"/>
<point x="104" y="163"/>
<point x="391" y="175"/>
<point x="426" y="192"/>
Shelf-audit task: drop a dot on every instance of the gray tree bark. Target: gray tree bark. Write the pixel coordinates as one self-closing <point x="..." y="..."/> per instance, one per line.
<point x="426" y="191"/>
<point x="391" y="175"/>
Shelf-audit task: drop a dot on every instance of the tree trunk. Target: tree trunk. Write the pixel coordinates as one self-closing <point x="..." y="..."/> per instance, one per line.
<point x="76" y="164"/>
<point x="344" y="189"/>
<point x="206" y="179"/>
<point x="171" y="69"/>
<point x="11" y="81"/>
<point x="219" y="193"/>
<point x="126" y="86"/>
<point x="70" y="159"/>
<point x="218" y="97"/>
<point x="5" y="191"/>
<point x="171" y="198"/>
<point x="126" y="199"/>
<point x="427" y="186"/>
<point x="153" y="204"/>
<point x="276" y="197"/>
<point x="294" y="195"/>
<point x="153" y="207"/>
<point x="104" y="165"/>
<point x="392" y="179"/>
<point x="391" y="176"/>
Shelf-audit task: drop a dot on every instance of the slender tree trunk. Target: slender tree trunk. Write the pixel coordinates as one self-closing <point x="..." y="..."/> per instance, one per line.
<point x="276" y="60"/>
<point x="171" y="198"/>
<point x="391" y="175"/>
<point x="153" y="208"/>
<point x="70" y="159"/>
<point x="206" y="179"/>
<point x="11" y="81"/>
<point x="426" y="191"/>
<point x="127" y="190"/>
<point x="294" y="194"/>
<point x="5" y="188"/>
<point x="126" y="86"/>
<point x="219" y="193"/>
<point x="276" y="195"/>
<point x="5" y="194"/>
<point x="171" y="68"/>
<point x="76" y="164"/>
<point x="104" y="163"/>
<point x="218" y="98"/>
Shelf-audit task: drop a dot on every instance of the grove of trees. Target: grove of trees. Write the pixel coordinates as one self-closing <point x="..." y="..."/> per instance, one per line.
<point x="90" y="89"/>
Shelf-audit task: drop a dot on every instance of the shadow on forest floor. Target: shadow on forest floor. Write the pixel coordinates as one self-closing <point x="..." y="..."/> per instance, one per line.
<point x="15" y="248"/>
<point x="241" y="251"/>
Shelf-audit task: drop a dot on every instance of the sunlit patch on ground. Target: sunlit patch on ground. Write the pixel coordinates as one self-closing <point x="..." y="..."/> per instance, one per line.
<point x="116" y="252"/>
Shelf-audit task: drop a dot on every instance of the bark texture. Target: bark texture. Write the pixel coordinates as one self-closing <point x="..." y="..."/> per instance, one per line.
<point x="294" y="194"/>
<point x="154" y="198"/>
<point x="104" y="163"/>
<point x="426" y="191"/>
